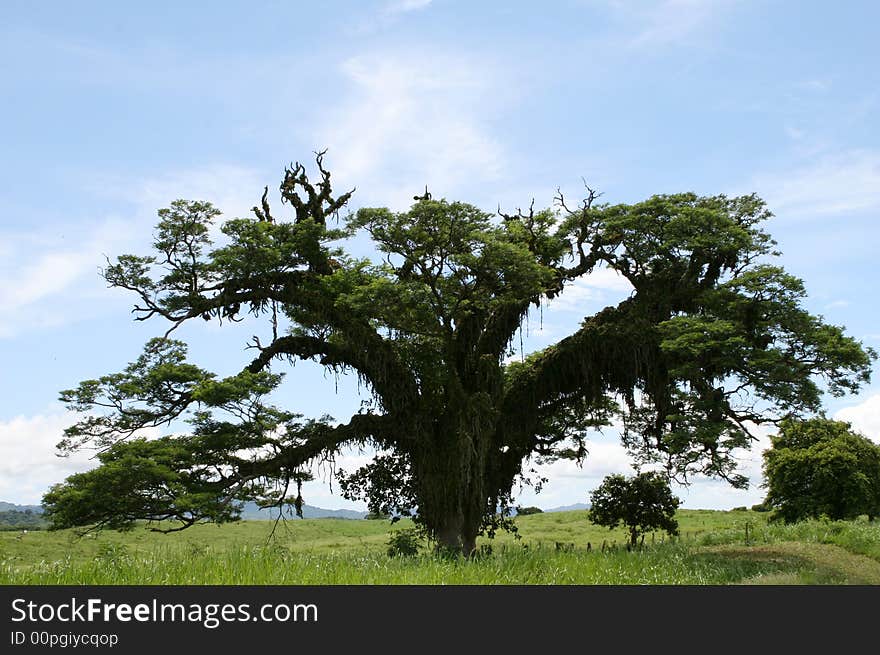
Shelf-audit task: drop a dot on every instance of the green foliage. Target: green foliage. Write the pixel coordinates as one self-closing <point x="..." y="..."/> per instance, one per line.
<point x="175" y="477"/>
<point x="427" y="328"/>
<point x="404" y="543"/>
<point x="385" y="484"/>
<point x="641" y="503"/>
<point x="525" y="511"/>
<point x="136" y="480"/>
<point x="820" y="467"/>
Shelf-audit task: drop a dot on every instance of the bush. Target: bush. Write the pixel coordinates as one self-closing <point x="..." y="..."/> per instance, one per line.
<point x="525" y="511"/>
<point x="404" y="543"/>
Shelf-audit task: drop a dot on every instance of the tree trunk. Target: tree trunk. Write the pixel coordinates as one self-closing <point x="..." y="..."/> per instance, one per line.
<point x="451" y="477"/>
<point x="457" y="540"/>
<point x="469" y="545"/>
<point x="449" y="538"/>
<point x="453" y="514"/>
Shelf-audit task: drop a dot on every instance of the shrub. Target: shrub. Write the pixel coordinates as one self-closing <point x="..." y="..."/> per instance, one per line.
<point x="404" y="543"/>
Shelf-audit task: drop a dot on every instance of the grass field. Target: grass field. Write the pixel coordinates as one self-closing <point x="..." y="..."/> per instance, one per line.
<point x="713" y="548"/>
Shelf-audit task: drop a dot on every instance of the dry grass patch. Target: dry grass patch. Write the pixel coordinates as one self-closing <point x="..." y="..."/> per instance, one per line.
<point x="813" y="563"/>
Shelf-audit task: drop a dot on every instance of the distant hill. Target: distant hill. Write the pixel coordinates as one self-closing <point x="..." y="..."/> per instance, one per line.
<point x="21" y="517"/>
<point x="12" y="507"/>
<point x="252" y="512"/>
<point x="569" y="508"/>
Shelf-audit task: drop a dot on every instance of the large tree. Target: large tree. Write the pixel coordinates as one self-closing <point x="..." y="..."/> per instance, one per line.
<point x="711" y="338"/>
<point x="819" y="467"/>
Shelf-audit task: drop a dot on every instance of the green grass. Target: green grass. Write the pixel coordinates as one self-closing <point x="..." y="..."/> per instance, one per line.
<point x="668" y="564"/>
<point x="712" y="549"/>
<point x="573" y="527"/>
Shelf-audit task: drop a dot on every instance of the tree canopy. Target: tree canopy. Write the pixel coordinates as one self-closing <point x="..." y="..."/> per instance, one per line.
<point x="713" y="338"/>
<point x="641" y="504"/>
<point x="819" y="467"/>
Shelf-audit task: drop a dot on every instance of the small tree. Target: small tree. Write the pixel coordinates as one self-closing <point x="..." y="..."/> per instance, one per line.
<point x="641" y="503"/>
<point x="821" y="467"/>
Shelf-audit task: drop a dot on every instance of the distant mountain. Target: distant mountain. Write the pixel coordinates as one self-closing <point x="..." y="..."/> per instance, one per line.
<point x="252" y="512"/>
<point x="12" y="507"/>
<point x="569" y="508"/>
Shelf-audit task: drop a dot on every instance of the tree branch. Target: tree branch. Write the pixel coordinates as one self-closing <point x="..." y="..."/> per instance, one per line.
<point x="371" y="357"/>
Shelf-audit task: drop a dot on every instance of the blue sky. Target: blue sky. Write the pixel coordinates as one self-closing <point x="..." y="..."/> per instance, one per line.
<point x="111" y="110"/>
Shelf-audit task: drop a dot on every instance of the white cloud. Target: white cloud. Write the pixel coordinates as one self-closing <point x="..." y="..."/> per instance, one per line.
<point x="414" y="119"/>
<point x="57" y="286"/>
<point x="604" y="458"/>
<point x="865" y="417"/>
<point x="751" y="461"/>
<point x="717" y="494"/>
<point x="569" y="483"/>
<point x="835" y="183"/>
<point x="575" y="297"/>
<point x="44" y="277"/>
<point x="62" y="285"/>
<point x="607" y="279"/>
<point x="594" y="287"/>
<point x="28" y="463"/>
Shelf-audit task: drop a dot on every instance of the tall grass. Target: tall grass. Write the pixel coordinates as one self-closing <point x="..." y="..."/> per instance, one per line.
<point x="553" y="551"/>
<point x="860" y="537"/>
<point x="671" y="564"/>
